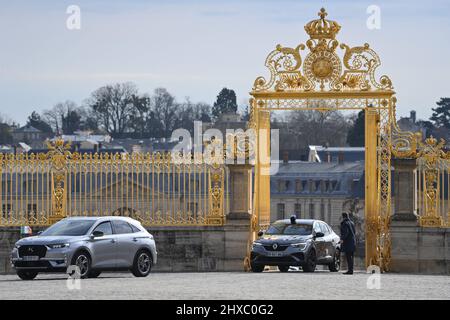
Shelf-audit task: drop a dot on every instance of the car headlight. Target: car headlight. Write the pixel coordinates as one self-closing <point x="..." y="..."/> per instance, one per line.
<point x="256" y="244"/>
<point x="58" y="245"/>
<point x="300" y="245"/>
<point x="17" y="246"/>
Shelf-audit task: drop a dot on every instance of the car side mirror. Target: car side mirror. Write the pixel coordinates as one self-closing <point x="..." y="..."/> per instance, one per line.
<point x="260" y="233"/>
<point x="319" y="235"/>
<point x="96" y="234"/>
<point x="39" y="233"/>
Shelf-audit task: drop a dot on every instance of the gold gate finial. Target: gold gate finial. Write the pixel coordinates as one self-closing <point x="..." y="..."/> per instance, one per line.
<point x="322" y="28"/>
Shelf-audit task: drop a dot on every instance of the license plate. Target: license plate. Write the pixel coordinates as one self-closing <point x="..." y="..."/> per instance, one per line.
<point x="275" y="254"/>
<point x="30" y="258"/>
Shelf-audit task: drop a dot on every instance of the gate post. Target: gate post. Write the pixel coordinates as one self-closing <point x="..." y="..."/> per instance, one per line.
<point x="263" y="169"/>
<point x="238" y="220"/>
<point x="404" y="222"/>
<point x="58" y="153"/>
<point x="240" y="190"/>
<point x="371" y="187"/>
<point x="404" y="190"/>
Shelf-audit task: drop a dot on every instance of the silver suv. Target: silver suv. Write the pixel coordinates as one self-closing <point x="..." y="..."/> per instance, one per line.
<point x="93" y="244"/>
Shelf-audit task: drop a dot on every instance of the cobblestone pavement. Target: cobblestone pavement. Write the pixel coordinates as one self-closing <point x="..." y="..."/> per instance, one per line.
<point x="267" y="285"/>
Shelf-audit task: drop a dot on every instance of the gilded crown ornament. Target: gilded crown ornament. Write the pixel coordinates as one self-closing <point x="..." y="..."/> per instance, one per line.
<point x="322" y="28"/>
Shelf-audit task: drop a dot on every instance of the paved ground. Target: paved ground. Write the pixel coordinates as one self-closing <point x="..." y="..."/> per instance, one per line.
<point x="268" y="285"/>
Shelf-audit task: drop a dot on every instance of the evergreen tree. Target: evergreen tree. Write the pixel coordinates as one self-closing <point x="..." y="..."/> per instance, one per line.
<point x="225" y="103"/>
<point x="35" y="121"/>
<point x="441" y="114"/>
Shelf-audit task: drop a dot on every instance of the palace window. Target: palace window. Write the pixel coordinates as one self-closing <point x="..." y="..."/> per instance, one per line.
<point x="322" y="212"/>
<point x="298" y="210"/>
<point x="311" y="210"/>
<point x="280" y="211"/>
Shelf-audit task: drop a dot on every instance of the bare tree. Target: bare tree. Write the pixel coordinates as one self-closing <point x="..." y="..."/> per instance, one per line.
<point x="60" y="116"/>
<point x="303" y="128"/>
<point x="113" y="105"/>
<point x="165" y="111"/>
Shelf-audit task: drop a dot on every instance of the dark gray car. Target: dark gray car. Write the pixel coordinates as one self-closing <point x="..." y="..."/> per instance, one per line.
<point x="93" y="244"/>
<point x="296" y="242"/>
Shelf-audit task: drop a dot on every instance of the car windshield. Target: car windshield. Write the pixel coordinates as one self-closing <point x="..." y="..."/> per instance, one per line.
<point x="69" y="228"/>
<point x="290" y="229"/>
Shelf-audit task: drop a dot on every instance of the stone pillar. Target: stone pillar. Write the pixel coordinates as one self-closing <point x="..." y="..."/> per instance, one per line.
<point x="237" y="225"/>
<point x="404" y="222"/>
<point x="240" y="190"/>
<point x="404" y="190"/>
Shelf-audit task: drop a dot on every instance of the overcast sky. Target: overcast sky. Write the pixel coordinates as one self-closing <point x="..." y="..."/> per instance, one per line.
<point x="194" y="48"/>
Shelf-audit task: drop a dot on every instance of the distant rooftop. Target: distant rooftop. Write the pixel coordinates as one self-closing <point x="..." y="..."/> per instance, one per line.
<point x="28" y="129"/>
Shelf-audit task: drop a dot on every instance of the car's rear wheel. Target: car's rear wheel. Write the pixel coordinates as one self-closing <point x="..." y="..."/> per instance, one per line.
<point x="142" y="264"/>
<point x="335" y="266"/>
<point x="257" y="267"/>
<point x="27" y="275"/>
<point x="83" y="261"/>
<point x="94" y="274"/>
<point x="283" y="268"/>
<point x="310" y="263"/>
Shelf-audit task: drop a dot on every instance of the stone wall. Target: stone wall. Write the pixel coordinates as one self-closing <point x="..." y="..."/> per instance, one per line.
<point x="414" y="249"/>
<point x="419" y="250"/>
<point x="202" y="249"/>
<point x="8" y="237"/>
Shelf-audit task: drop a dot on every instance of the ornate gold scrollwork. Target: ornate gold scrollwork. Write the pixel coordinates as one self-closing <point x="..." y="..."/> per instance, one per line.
<point x="429" y="154"/>
<point x="216" y="192"/>
<point x="59" y="154"/>
<point x="322" y="64"/>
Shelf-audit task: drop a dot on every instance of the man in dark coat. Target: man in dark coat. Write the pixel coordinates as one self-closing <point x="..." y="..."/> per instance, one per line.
<point x="348" y="241"/>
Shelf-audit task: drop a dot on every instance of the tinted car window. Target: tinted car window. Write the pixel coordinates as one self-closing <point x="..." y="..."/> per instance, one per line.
<point x="324" y="229"/>
<point x="70" y="227"/>
<point x="134" y="228"/>
<point x="290" y="229"/>
<point x="104" y="227"/>
<point x="121" y="227"/>
<point x="317" y="227"/>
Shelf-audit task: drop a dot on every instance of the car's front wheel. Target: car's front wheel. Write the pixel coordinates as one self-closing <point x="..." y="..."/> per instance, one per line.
<point x="335" y="266"/>
<point x="283" y="268"/>
<point x="142" y="264"/>
<point x="26" y="275"/>
<point x="83" y="261"/>
<point x="310" y="263"/>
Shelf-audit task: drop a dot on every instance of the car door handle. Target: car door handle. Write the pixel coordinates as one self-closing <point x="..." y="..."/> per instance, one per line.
<point x="135" y="239"/>
<point x="113" y="240"/>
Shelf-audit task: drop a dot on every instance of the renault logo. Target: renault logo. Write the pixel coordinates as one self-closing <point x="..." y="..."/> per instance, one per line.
<point x="275" y="246"/>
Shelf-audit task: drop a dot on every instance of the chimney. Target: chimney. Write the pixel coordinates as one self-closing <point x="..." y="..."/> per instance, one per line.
<point x="412" y="116"/>
<point x="286" y="157"/>
<point x="341" y="157"/>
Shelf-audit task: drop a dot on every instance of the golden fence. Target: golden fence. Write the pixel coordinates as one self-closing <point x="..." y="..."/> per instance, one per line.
<point x="432" y="184"/>
<point x="39" y="189"/>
